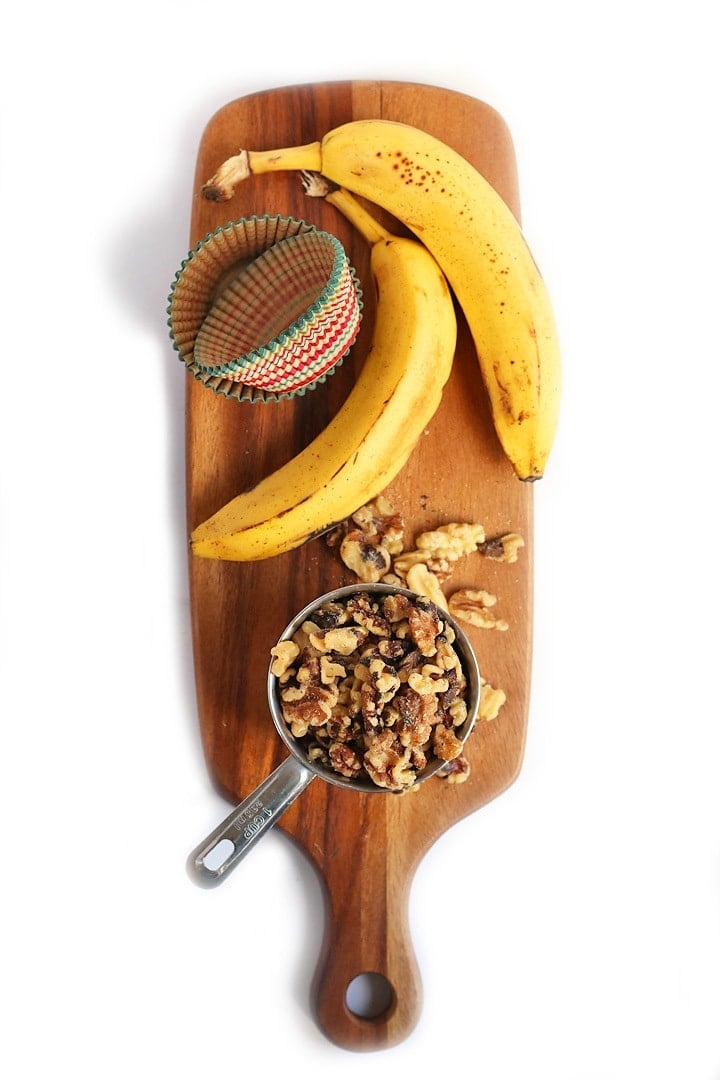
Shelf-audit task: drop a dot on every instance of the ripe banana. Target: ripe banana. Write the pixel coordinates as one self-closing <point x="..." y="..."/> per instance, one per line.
<point x="375" y="430"/>
<point x="478" y="244"/>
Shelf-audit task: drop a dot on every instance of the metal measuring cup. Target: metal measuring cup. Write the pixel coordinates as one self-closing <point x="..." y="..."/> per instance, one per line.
<point x="211" y="861"/>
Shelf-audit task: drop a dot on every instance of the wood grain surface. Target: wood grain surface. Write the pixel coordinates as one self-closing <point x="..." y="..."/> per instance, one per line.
<point x="365" y="848"/>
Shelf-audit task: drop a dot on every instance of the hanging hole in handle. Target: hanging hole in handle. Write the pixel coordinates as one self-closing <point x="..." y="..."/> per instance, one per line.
<point x="369" y="995"/>
<point x="218" y="854"/>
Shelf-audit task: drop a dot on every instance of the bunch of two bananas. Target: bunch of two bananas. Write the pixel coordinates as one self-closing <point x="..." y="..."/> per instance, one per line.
<point x="472" y="244"/>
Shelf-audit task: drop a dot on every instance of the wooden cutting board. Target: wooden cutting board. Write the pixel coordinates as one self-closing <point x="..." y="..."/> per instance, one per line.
<point x="365" y="848"/>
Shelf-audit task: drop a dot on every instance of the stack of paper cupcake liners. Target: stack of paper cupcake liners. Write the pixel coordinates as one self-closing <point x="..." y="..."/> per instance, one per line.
<point x="264" y="308"/>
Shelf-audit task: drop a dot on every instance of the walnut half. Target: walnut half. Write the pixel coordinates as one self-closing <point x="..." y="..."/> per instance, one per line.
<point x="472" y="606"/>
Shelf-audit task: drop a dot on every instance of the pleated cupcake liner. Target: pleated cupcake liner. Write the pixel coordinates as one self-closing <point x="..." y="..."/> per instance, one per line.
<point x="278" y="318"/>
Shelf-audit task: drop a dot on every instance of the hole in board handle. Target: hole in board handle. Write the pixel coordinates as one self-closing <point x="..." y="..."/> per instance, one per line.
<point x="369" y="995"/>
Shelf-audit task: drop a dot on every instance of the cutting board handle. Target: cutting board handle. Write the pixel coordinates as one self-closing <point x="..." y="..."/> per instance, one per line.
<point x="367" y="991"/>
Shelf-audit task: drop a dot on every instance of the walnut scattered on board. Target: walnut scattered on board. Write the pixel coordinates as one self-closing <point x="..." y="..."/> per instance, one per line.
<point x="473" y="606"/>
<point x="371" y="544"/>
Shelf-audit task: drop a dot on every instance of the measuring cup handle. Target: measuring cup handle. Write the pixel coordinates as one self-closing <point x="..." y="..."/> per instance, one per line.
<point x="247" y="823"/>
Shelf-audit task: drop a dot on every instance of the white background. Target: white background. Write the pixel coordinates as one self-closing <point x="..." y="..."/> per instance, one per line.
<point x="587" y="898"/>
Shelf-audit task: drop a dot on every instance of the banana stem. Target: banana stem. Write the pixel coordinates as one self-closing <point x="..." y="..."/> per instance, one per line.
<point x="318" y="186"/>
<point x="221" y="186"/>
<point x="358" y="216"/>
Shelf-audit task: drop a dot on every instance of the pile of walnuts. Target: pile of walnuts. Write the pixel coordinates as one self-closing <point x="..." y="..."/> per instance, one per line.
<point x="372" y="686"/>
<point x="371" y="545"/>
